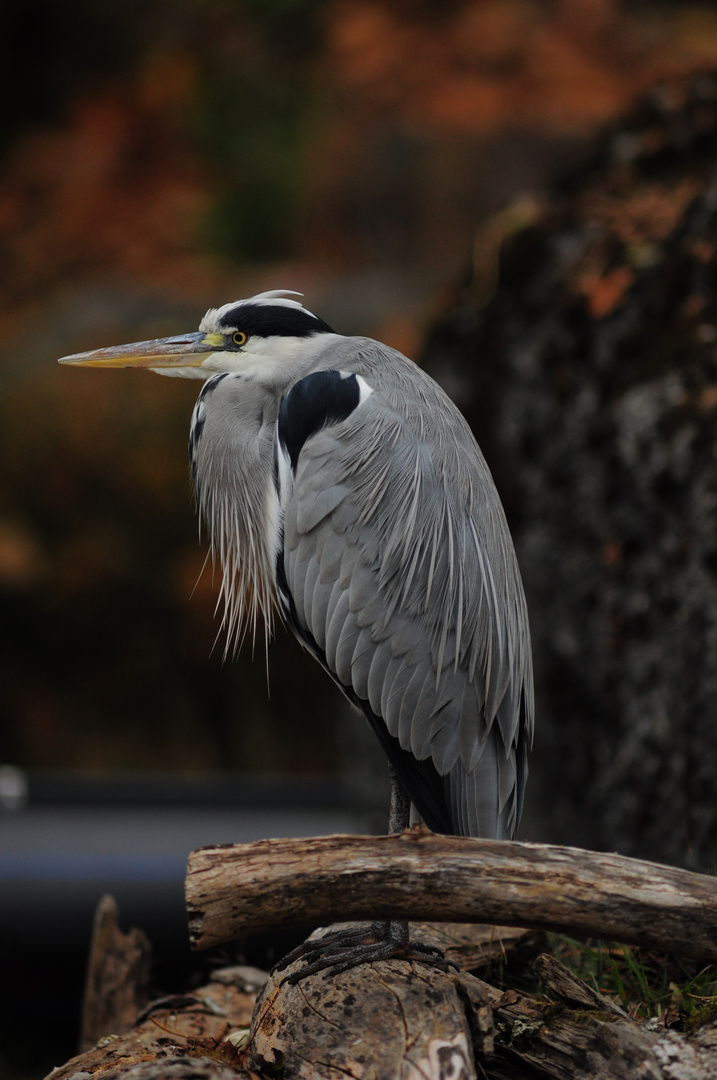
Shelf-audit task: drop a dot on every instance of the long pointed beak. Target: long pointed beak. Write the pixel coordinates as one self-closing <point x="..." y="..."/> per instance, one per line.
<point x="184" y="350"/>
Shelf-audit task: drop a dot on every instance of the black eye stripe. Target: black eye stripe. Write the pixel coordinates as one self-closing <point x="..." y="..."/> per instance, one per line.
<point x="268" y="320"/>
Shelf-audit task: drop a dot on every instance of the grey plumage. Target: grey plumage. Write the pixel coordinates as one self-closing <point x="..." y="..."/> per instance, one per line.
<point x="399" y="563"/>
<point x="377" y="532"/>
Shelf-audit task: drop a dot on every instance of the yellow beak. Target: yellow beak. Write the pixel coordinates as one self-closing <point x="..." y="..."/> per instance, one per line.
<point x="184" y="350"/>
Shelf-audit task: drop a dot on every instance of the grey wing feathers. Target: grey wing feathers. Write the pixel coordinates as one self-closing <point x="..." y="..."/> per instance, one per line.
<point x="401" y="567"/>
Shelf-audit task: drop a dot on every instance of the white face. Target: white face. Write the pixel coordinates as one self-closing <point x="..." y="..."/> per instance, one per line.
<point x="260" y="358"/>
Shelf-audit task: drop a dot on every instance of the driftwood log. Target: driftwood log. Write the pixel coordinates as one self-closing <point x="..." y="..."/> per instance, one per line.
<point x="399" y="1019"/>
<point x="236" y="890"/>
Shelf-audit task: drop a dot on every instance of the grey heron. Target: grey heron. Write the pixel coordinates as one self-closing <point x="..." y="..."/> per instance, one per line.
<point x="341" y="488"/>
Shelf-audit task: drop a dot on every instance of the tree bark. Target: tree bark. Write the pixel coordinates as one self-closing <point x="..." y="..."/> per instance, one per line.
<point x="388" y="1019"/>
<point x="117" y="982"/>
<point x="182" y="1037"/>
<point x="399" y="1019"/>
<point x="582" y="352"/>
<point x="239" y="889"/>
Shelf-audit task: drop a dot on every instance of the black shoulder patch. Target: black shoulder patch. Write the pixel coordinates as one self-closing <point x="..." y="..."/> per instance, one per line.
<point x="313" y="403"/>
<point x="269" y="320"/>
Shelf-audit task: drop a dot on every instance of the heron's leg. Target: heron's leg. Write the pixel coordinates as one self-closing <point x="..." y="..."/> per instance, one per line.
<point x="341" y="950"/>
<point x="399" y="817"/>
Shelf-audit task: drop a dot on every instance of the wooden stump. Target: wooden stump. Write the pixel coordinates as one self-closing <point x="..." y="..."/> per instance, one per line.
<point x="117" y="982"/>
<point x="392" y="1018"/>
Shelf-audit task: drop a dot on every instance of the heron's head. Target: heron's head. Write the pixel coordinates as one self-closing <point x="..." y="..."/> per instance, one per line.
<point x="255" y="337"/>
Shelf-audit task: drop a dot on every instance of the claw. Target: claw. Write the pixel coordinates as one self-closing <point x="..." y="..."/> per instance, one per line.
<point x="342" y="950"/>
<point x="336" y="940"/>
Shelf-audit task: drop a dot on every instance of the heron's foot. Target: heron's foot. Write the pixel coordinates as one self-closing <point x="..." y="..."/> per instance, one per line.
<point x="342" y="950"/>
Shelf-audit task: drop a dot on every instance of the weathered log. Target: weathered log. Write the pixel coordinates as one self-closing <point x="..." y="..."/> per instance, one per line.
<point x="392" y="1018"/>
<point x="240" y="889"/>
<point x="569" y="988"/>
<point x="182" y="1036"/>
<point x="596" y="1041"/>
<point x="476" y="948"/>
<point x="400" y="1019"/>
<point x="378" y="1020"/>
<point x="117" y="983"/>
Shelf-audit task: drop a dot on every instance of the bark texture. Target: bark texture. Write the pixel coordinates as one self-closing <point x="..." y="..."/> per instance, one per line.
<point x="182" y="1037"/>
<point x="241" y="889"/>
<point x="118" y="972"/>
<point x="403" y="1020"/>
<point x="584" y="352"/>
<point x="387" y="1019"/>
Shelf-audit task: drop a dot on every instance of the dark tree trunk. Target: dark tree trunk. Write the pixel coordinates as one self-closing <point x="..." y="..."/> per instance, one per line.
<point x="584" y="353"/>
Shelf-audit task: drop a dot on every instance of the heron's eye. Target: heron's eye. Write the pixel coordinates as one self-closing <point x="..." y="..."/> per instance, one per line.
<point x="239" y="338"/>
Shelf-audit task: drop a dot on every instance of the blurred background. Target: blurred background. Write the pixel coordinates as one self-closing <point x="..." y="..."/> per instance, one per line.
<point x="156" y="160"/>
